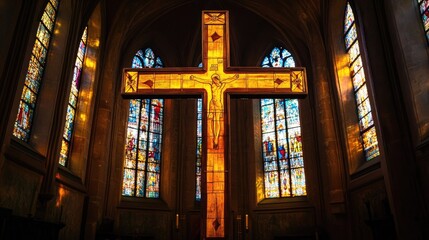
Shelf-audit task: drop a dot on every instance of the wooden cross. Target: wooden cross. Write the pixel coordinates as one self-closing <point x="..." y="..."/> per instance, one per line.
<point x="214" y="81"/>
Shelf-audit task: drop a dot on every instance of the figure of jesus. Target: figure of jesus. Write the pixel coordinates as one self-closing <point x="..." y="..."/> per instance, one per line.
<point x="216" y="104"/>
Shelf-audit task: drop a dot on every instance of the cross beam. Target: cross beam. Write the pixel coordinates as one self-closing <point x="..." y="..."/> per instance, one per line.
<point x="212" y="81"/>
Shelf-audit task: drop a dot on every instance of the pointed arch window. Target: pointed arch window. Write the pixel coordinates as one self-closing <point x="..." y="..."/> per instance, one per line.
<point x="283" y="158"/>
<point x="73" y="100"/>
<point x="36" y="67"/>
<point x="142" y="158"/>
<point x="360" y="89"/>
<point x="424" y="12"/>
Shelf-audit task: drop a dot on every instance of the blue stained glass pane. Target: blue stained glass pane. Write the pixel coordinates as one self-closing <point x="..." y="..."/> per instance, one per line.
<point x="281" y="136"/>
<point x="266" y="101"/>
<point x="199" y="148"/>
<point x="200" y="65"/>
<point x="426" y="20"/>
<point x="73" y="99"/>
<point x="68" y="128"/>
<point x="159" y="63"/>
<point x="349" y="18"/>
<point x="35" y="71"/>
<point x="423" y="6"/>
<point x="285" y="53"/>
<point x="351" y="36"/>
<point x="149" y="53"/>
<point x="289" y="62"/>
<point x="137" y="62"/>
<point x="266" y="62"/>
<point x="145" y="129"/>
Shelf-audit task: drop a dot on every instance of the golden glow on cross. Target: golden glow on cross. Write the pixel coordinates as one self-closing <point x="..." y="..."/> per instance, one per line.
<point x="216" y="78"/>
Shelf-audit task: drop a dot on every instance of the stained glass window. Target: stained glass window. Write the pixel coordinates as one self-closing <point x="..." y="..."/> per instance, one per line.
<point x="199" y="148"/>
<point x="33" y="78"/>
<point x="366" y="122"/>
<point x="424" y="12"/>
<point x="284" y="174"/>
<point x="73" y="99"/>
<point x="142" y="160"/>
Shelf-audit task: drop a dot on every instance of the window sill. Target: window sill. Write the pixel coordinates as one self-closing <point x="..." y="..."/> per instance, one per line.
<point x="24" y="155"/>
<point x="68" y="178"/>
<point x="283" y="203"/>
<point x="142" y="204"/>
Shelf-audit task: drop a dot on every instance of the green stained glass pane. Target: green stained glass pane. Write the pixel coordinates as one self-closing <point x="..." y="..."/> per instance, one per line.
<point x="140" y="184"/>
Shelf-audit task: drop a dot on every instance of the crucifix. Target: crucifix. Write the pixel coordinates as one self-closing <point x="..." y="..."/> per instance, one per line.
<point x="214" y="81"/>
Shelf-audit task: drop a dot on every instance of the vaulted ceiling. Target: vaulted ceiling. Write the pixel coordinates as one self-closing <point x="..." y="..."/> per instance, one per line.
<point x="173" y="27"/>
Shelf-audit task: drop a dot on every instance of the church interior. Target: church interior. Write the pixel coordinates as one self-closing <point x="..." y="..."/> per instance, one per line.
<point x="342" y="152"/>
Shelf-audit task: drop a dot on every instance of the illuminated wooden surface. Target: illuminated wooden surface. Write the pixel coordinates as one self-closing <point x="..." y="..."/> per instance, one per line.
<point x="215" y="78"/>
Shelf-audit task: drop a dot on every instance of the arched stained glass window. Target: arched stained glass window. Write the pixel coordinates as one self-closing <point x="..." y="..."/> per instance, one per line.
<point x="73" y="100"/>
<point x="284" y="174"/>
<point x="424" y="12"/>
<point x="142" y="160"/>
<point x="366" y="122"/>
<point x="199" y="148"/>
<point x="33" y="78"/>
